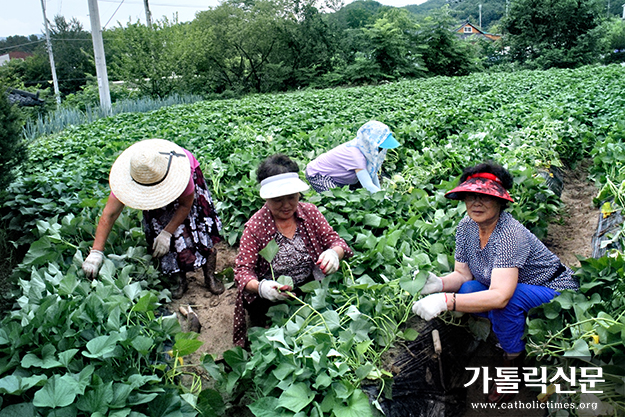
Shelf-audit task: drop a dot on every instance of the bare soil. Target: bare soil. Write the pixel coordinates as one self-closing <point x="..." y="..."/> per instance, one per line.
<point x="568" y="237"/>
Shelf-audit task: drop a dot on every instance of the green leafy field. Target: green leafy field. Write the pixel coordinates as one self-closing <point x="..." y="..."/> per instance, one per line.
<point x="108" y="348"/>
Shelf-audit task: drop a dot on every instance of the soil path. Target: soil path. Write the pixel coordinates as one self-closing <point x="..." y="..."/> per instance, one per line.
<point x="569" y="236"/>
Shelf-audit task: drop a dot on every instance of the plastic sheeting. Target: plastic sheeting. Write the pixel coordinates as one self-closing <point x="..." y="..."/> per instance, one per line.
<point x="606" y="228"/>
<point x="419" y="389"/>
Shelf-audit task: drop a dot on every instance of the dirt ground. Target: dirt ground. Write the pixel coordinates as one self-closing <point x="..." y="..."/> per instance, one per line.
<point x="571" y="235"/>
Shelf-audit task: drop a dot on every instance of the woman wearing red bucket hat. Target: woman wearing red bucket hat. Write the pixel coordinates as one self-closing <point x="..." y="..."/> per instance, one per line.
<point x="501" y="271"/>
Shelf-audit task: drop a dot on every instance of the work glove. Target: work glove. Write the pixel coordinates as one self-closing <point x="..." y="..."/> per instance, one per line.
<point x="329" y="261"/>
<point x="432" y="285"/>
<point x="161" y="244"/>
<point x="92" y="264"/>
<point x="431" y="306"/>
<point x="271" y="290"/>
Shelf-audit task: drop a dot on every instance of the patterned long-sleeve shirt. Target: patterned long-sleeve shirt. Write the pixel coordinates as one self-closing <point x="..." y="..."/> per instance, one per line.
<point x="260" y="229"/>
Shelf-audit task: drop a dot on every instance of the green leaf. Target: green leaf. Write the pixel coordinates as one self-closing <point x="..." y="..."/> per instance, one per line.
<point x="357" y="406"/>
<point x="101" y="347"/>
<point x="47" y="360"/>
<point x="146" y="303"/>
<point x="578" y="350"/>
<point x="296" y="397"/>
<point x="133" y="290"/>
<point x="285" y="280"/>
<point x="410" y="334"/>
<point x="211" y="404"/>
<point x="372" y="220"/>
<point x="268" y="407"/>
<point x="19" y="410"/>
<point x="96" y="399"/>
<point x="59" y="391"/>
<point x="269" y="252"/>
<point x="142" y="344"/>
<point x="184" y="347"/>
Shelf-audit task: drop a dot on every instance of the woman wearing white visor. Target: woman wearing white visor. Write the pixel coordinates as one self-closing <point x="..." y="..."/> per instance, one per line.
<point x="307" y="243"/>
<point x="353" y="162"/>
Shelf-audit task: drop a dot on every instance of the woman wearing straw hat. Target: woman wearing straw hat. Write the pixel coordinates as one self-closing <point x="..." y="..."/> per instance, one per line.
<point x="179" y="219"/>
<point x="353" y="162"/>
<point x="501" y="269"/>
<point x="308" y="246"/>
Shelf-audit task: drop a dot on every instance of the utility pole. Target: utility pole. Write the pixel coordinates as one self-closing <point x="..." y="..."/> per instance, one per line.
<point x="480" y="17"/>
<point x="100" y="59"/>
<point x="55" y="81"/>
<point x="148" y="15"/>
<point x="623" y="12"/>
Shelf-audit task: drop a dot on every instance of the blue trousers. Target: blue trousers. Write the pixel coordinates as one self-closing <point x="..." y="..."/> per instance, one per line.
<point x="509" y="322"/>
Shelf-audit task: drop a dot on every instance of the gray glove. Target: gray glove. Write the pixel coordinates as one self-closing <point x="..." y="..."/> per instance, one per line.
<point x="268" y="289"/>
<point x="432" y="285"/>
<point x="92" y="264"/>
<point x="161" y="244"/>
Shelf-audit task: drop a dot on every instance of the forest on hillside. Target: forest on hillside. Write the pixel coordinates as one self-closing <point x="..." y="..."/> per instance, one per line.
<point x="258" y="46"/>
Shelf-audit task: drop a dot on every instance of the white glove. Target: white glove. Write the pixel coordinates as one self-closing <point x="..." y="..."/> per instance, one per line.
<point x="329" y="261"/>
<point x="268" y="289"/>
<point x="432" y="285"/>
<point x="161" y="244"/>
<point x="431" y="306"/>
<point x="92" y="264"/>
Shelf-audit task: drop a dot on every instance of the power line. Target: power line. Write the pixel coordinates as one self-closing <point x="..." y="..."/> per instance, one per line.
<point x="114" y="13"/>
<point x="195" y="6"/>
<point x="6" y="48"/>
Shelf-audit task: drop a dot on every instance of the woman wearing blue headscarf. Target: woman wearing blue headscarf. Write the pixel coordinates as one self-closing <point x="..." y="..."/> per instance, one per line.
<point x="353" y="162"/>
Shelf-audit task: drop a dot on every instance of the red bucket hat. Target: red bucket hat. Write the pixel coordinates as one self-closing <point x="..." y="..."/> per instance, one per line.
<point x="481" y="183"/>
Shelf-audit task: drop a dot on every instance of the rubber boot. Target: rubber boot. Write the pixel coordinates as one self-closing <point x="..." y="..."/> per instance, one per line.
<point x="182" y="287"/>
<point x="211" y="282"/>
<point x="509" y="361"/>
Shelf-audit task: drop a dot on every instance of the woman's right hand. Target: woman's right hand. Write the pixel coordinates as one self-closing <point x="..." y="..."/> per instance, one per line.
<point x="272" y="290"/>
<point x="432" y="285"/>
<point x="92" y="264"/>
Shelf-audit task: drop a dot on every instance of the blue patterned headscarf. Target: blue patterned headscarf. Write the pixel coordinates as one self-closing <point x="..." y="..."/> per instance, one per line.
<point x="368" y="140"/>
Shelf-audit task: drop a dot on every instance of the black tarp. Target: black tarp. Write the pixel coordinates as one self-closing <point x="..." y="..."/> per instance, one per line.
<point x="417" y="388"/>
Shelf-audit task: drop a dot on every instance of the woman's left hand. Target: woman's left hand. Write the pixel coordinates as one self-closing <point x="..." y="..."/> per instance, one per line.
<point x="161" y="244"/>
<point x="431" y="306"/>
<point x="329" y="261"/>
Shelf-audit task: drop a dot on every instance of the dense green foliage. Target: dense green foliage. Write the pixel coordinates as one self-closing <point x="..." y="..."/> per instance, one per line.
<point x="12" y="146"/>
<point x="259" y="46"/>
<point x="103" y="342"/>
<point x="561" y="34"/>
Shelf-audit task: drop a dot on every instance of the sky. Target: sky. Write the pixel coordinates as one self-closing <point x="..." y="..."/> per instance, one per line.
<point x="25" y="17"/>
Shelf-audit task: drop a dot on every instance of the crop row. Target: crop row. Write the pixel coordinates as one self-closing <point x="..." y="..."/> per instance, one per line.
<point x="109" y="347"/>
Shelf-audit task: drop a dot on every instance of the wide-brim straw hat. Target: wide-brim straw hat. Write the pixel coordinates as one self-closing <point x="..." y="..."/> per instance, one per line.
<point x="281" y="185"/>
<point x="150" y="174"/>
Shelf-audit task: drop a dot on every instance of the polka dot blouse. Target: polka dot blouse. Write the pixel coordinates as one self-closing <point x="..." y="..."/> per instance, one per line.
<point x="260" y="229"/>
<point x="510" y="245"/>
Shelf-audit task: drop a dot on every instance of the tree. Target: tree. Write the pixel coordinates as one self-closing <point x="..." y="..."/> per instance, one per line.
<point x="311" y="46"/>
<point x="238" y="46"/>
<point x="73" y="54"/>
<point x="149" y="58"/>
<point x="12" y="147"/>
<point x="444" y="53"/>
<point x="19" y="43"/>
<point x="393" y="48"/>
<point x="553" y="33"/>
<point x="614" y="41"/>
